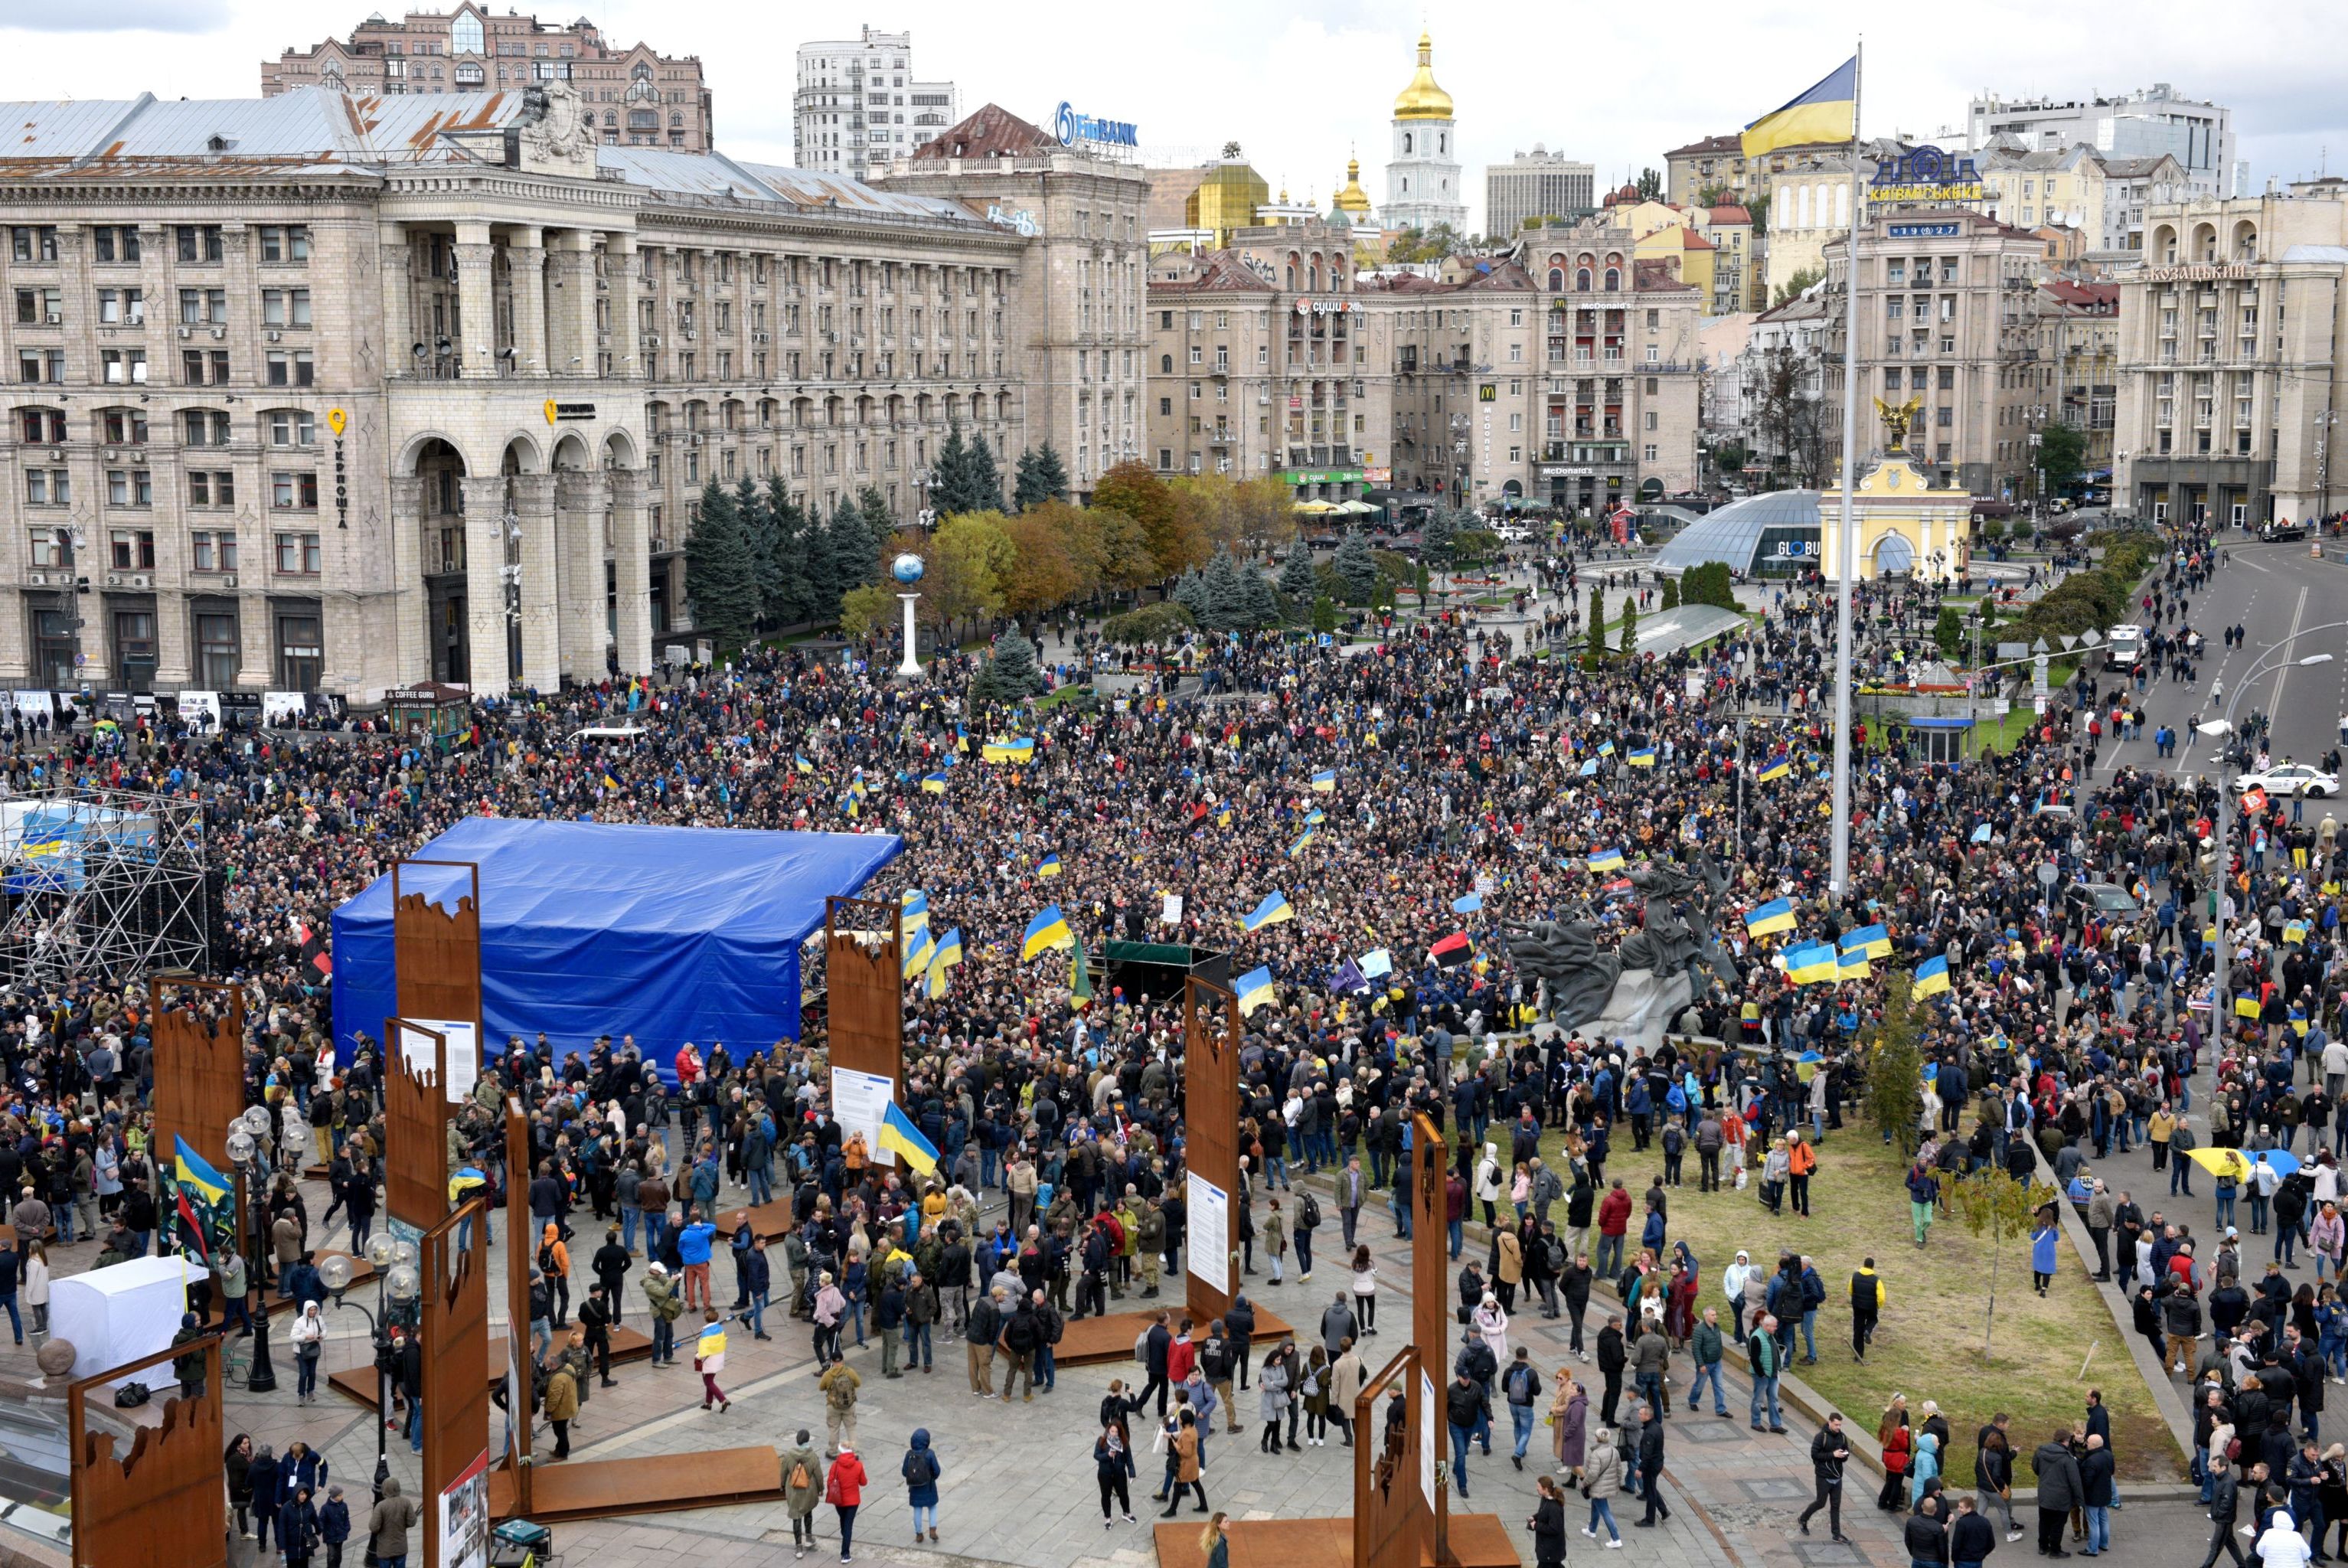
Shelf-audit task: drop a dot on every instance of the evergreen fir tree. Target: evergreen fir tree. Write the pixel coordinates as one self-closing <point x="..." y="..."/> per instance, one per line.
<point x="1227" y="609"/>
<point x="1595" y="629"/>
<point x="720" y="572"/>
<point x="985" y="480"/>
<point x="1052" y="471"/>
<point x="1671" y="600"/>
<point x="852" y="554"/>
<point x="824" y="579"/>
<point x="1439" y="537"/>
<point x="791" y="599"/>
<point x="1027" y="489"/>
<point x="880" y="523"/>
<point x="1009" y="675"/>
<point x="1628" y="644"/>
<point x="1190" y="593"/>
<point x="757" y="539"/>
<point x="949" y="484"/>
<point x="1296" y="576"/>
<point x="1262" y="604"/>
<point x="1357" y="569"/>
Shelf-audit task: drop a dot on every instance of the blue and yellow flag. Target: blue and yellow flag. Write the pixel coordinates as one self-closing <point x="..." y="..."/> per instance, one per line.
<point x="1874" y="941"/>
<point x="1315" y="817"/>
<point x="912" y="909"/>
<point x="1297" y="848"/>
<point x="1826" y="112"/>
<point x="942" y="957"/>
<point x="1606" y="860"/>
<point x="1271" y="912"/>
<point x="1046" y="931"/>
<point x="201" y="1206"/>
<point x="900" y="1137"/>
<point x="1605" y="748"/>
<point x="610" y="782"/>
<point x="1811" y="964"/>
<point x="934" y="783"/>
<point x="803" y="765"/>
<point x="919" y="947"/>
<point x="1022" y="750"/>
<point x="1778" y="915"/>
<point x="1776" y="767"/>
<point x="1324" y="781"/>
<point x="1254" y="990"/>
<point x="1851" y="964"/>
<point x="1049" y="866"/>
<point x="192" y="1171"/>
<point x="1644" y="757"/>
<point x="1931" y="977"/>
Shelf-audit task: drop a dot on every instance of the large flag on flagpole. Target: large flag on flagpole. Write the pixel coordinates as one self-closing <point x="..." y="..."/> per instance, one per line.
<point x="201" y="1203"/>
<point x="1828" y="111"/>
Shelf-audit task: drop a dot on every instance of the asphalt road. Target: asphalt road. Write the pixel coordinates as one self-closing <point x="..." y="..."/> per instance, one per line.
<point x="2278" y="595"/>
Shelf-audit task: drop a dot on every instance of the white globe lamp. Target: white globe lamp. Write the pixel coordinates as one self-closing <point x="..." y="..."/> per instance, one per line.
<point x="907" y="570"/>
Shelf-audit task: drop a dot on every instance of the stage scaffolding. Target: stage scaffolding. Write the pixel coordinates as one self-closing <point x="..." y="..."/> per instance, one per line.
<point x="102" y="883"/>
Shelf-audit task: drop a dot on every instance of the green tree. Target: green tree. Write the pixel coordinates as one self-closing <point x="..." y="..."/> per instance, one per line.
<point x="853" y="553"/>
<point x="1948" y="631"/>
<point x="1227" y="609"/>
<point x="1040" y="478"/>
<point x="1759" y="207"/>
<point x="1671" y="593"/>
<point x="880" y="523"/>
<point x="758" y="538"/>
<point x="1296" y="576"/>
<point x="1708" y="584"/>
<point x="1729" y="458"/>
<point x="1437" y="537"/>
<point x="722" y="575"/>
<point x="1357" y="569"/>
<point x="866" y="611"/>
<point x="1009" y="675"/>
<point x="950" y="486"/>
<point x="1161" y="624"/>
<point x="1628" y="644"/>
<point x="1991" y="1204"/>
<point x="1595" y="629"/>
<point x="1895" y="1068"/>
<point x="1190" y="593"/>
<point x="2062" y="455"/>
<point x="1262" y="604"/>
<point x="1130" y="488"/>
<point x="1650" y="185"/>
<point x="1793" y="286"/>
<point x="969" y="558"/>
<point x="986" y="481"/>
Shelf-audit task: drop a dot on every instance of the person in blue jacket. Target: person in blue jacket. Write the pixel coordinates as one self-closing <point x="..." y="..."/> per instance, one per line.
<point x="335" y="1525"/>
<point x="920" y="1469"/>
<point x="268" y="1482"/>
<point x="2041" y="1252"/>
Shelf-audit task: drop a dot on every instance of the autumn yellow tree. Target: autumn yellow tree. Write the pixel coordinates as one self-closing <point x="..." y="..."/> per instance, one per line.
<point x="1263" y="517"/>
<point x="969" y="558"/>
<point x="1127" y="564"/>
<point x="1045" y="571"/>
<point x="1175" y="542"/>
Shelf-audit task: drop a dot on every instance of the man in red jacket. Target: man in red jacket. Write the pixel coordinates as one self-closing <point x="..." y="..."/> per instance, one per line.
<point x="1613" y="1221"/>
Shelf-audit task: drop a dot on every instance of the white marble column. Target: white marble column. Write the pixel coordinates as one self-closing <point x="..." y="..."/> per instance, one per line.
<point x="476" y="299"/>
<point x="398" y="303"/>
<point x="526" y="250"/>
<point x="485" y="592"/>
<point x="533" y="504"/>
<point x="570" y="345"/>
<point x="580" y="497"/>
<point x="411" y="635"/>
<point x="631" y="560"/>
<point x="172" y="609"/>
<point x="620" y="271"/>
<point x="256" y="642"/>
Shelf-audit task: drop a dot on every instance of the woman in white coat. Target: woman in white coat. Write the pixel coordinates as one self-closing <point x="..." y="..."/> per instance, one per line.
<point x="1490" y="1322"/>
<point x="35" y="1290"/>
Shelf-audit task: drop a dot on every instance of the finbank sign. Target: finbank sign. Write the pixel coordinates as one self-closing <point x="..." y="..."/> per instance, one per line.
<point x="1072" y="128"/>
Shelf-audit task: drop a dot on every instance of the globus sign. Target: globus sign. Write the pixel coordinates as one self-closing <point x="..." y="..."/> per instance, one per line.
<point x="1072" y="128"/>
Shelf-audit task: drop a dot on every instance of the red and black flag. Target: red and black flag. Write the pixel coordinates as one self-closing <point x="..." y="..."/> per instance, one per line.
<point x="315" y="955"/>
<point x="1452" y="951"/>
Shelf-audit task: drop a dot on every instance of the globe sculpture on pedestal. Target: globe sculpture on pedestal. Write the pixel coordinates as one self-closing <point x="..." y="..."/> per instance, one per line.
<point x="907" y="570"/>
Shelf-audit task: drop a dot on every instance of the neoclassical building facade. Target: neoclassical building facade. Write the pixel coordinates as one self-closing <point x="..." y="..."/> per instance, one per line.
<point x="338" y="393"/>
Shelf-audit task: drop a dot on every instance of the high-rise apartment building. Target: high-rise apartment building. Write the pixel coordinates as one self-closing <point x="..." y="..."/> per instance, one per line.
<point x="1536" y="184"/>
<point x="2142" y="124"/>
<point x="858" y="105"/>
<point x="639" y="97"/>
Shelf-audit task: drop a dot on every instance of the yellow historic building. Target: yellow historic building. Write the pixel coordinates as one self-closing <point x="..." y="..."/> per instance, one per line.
<point x="1906" y="529"/>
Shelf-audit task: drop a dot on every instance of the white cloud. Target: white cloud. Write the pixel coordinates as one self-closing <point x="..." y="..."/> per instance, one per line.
<point x="1298" y="85"/>
<point x="121" y="17"/>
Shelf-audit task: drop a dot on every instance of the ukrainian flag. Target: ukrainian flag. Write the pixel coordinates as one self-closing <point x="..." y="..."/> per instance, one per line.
<point x="1255" y="989"/>
<point x="1606" y="860"/>
<point x="1828" y="112"/>
<point x="1644" y="757"/>
<point x="949" y="949"/>
<point x="1851" y="964"/>
<point x="190" y="1170"/>
<point x="2246" y="1006"/>
<point x="1778" y="915"/>
<point x="610" y="782"/>
<point x="1271" y="912"/>
<point x="1931" y="977"/>
<point x="1050" y="867"/>
<point x="1224" y="815"/>
<point x="1022" y="749"/>
<point x="2294" y="931"/>
<point x="900" y="1137"/>
<point x="912" y="909"/>
<point x="1324" y="781"/>
<point x="803" y="765"/>
<point x="1046" y="931"/>
<point x="1314" y="818"/>
<point x="1605" y="748"/>
<point x="1813" y="964"/>
<point x="918" y="947"/>
<point x="934" y="783"/>
<point x="1297" y="848"/>
<point x="1776" y="767"/>
<point x="1874" y="941"/>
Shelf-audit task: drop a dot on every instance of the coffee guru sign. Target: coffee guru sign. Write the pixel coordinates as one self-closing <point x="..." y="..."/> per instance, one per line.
<point x="1072" y="128"/>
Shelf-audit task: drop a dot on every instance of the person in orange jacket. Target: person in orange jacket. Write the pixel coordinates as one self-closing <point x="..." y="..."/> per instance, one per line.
<point x="555" y="1262"/>
<point x="1801" y="1163"/>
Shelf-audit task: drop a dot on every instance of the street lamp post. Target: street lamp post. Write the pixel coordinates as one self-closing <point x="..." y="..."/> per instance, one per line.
<point x="244" y="1136"/>
<point x="907" y="570"/>
<point x="395" y="1275"/>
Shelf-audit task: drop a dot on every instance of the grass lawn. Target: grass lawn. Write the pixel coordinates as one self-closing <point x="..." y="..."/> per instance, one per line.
<point x="1928" y="1344"/>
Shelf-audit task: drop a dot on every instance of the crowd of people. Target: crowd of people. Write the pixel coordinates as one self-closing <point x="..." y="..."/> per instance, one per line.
<point x="1412" y="801"/>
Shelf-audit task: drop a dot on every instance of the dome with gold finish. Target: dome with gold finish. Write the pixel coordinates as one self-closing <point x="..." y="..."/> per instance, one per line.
<point x="1351" y="198"/>
<point x="1423" y="100"/>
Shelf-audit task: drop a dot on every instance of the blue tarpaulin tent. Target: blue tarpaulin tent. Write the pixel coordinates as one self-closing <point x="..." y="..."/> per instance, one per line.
<point x="587" y="928"/>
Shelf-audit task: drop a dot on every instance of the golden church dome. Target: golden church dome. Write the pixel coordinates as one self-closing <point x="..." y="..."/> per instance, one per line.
<point x="1423" y="100"/>
<point x="1351" y="197"/>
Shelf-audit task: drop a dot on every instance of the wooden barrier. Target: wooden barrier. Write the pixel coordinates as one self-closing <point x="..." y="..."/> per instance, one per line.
<point x="456" y="1330"/>
<point x="1210" y="1122"/>
<point x="864" y="991"/>
<point x="198" y="1071"/>
<point x="166" y="1501"/>
<point x="415" y="1128"/>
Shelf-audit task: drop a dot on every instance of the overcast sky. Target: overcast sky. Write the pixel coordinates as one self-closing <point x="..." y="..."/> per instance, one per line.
<point x="1298" y="85"/>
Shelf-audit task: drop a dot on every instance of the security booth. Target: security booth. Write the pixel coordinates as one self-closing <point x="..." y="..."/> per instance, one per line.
<point x="1940" y="740"/>
<point x="436" y="713"/>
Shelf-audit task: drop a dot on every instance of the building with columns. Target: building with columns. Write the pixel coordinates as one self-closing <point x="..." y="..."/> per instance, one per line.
<point x="334" y="393"/>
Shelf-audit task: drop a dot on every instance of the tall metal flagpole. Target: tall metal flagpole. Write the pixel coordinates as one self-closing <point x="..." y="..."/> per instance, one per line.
<point x="1847" y="545"/>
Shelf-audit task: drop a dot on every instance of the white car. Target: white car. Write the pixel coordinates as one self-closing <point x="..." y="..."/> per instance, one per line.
<point x="2291" y="778"/>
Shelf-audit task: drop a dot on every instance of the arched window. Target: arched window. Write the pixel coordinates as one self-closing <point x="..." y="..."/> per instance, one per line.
<point x="1442" y="143"/>
<point x="1582" y="280"/>
<point x="1288" y="277"/>
<point x="612" y="119"/>
<point x="1801" y="207"/>
<point x="1842" y="204"/>
<point x="1313" y="278"/>
<point x="1405" y="144"/>
<point x="1556" y="280"/>
<point x="1614" y="279"/>
<point x="1166" y="364"/>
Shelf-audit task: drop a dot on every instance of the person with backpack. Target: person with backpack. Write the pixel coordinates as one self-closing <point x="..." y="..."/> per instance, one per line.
<point x="920" y="1469"/>
<point x="660" y="1296"/>
<point x="555" y="1262"/>
<point x="1215" y="1366"/>
<point x="843" y="1487"/>
<point x="803" y="1487"/>
<point x="1521" y="1386"/>
<point x="1308" y="1220"/>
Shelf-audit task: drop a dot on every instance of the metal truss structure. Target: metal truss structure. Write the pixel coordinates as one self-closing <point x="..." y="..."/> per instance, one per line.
<point x="102" y="883"/>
